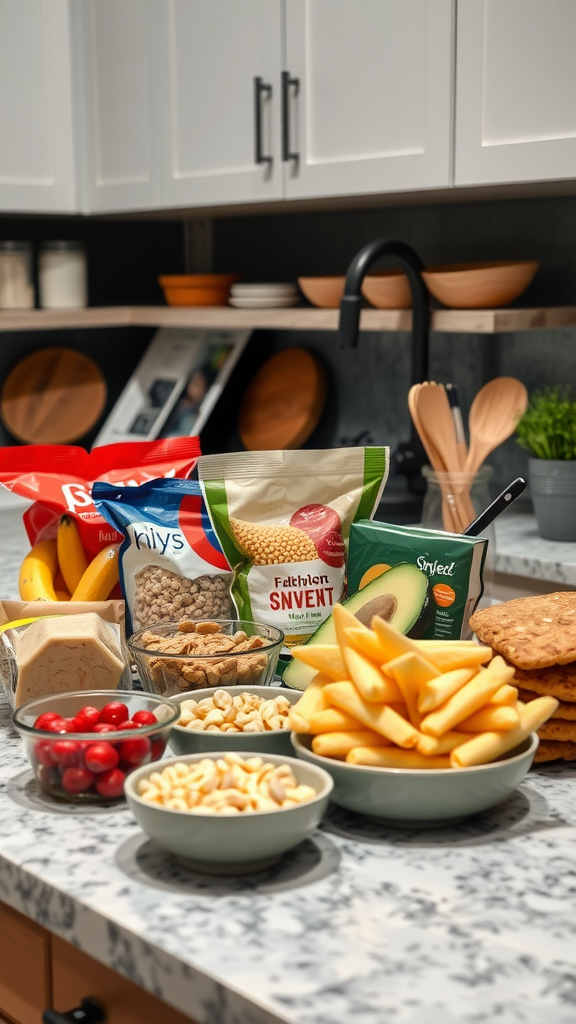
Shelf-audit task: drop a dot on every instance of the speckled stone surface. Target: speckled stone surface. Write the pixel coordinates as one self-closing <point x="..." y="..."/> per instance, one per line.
<point x="472" y="924"/>
<point x="522" y="552"/>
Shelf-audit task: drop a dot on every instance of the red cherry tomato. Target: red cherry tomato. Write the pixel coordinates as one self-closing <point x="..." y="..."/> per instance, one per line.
<point x="157" y="748"/>
<point x="43" y="752"/>
<point x="111" y="784"/>
<point x="135" y="751"/>
<point x="101" y="757"/>
<point x="77" y="780"/>
<point x="144" y="718"/>
<point x="114" y="713"/>
<point x="65" y="752"/>
<point x="42" y="720"/>
<point x="86" y="719"/>
<point x="47" y="777"/>
<point x="69" y="724"/>
<point x="55" y="725"/>
<point x="129" y="725"/>
<point x="104" y="727"/>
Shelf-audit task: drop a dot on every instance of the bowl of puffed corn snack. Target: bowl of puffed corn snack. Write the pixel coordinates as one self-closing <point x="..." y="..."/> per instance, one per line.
<point x="196" y="654"/>
<point x="229" y="813"/>
<point x="235" y="717"/>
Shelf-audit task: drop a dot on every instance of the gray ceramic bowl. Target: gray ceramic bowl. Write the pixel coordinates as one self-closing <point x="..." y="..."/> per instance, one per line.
<point x="402" y="795"/>
<point x="231" y="845"/>
<point x="277" y="741"/>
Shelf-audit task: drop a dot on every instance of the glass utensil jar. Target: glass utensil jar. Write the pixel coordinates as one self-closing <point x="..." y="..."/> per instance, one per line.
<point x="452" y="488"/>
<point x="62" y="275"/>
<point x="16" y="287"/>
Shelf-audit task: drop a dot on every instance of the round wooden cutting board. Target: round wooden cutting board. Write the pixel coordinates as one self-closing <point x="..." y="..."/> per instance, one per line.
<point x="284" y="402"/>
<point x="54" y="396"/>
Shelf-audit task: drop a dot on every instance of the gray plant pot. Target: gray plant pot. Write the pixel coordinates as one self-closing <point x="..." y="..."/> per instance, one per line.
<point x="553" y="486"/>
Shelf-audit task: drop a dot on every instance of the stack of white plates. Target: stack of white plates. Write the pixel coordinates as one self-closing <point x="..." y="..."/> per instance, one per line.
<point x="263" y="296"/>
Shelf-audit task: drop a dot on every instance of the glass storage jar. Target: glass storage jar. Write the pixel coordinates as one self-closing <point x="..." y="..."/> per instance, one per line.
<point x="452" y="501"/>
<point x="16" y="285"/>
<point x="62" y="275"/>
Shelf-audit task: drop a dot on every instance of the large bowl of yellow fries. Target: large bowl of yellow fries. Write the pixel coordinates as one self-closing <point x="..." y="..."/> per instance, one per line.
<point x="413" y="730"/>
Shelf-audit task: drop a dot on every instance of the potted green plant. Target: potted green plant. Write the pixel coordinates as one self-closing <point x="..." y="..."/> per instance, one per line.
<point x="548" y="431"/>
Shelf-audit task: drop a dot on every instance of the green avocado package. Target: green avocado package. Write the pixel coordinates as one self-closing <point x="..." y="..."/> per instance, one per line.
<point x="283" y="519"/>
<point x="427" y="583"/>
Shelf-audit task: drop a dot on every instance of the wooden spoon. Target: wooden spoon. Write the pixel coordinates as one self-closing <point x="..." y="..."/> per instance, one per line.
<point x="494" y="415"/>
<point x="448" y="517"/>
<point x="436" y="416"/>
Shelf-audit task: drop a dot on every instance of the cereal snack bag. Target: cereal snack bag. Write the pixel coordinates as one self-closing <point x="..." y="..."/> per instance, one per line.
<point x="171" y="564"/>
<point x="283" y="519"/>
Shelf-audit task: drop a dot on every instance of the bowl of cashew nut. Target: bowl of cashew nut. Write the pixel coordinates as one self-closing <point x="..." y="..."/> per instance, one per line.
<point x="236" y="718"/>
<point x="228" y="813"/>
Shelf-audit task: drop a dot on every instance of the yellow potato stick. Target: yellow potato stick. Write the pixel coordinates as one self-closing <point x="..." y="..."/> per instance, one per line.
<point x="312" y="700"/>
<point x="382" y="719"/>
<point x="489" y="745"/>
<point x="323" y="657"/>
<point x="368" y="679"/>
<point x="332" y="720"/>
<point x="473" y="696"/>
<point x="411" y="671"/>
<point x="430" y="745"/>
<point x="438" y="645"/>
<point x="437" y="691"/>
<point x="365" y="642"/>
<point x="491" y="719"/>
<point x="391" y="757"/>
<point x="393" y="643"/>
<point x="448" y="658"/>
<point x="507" y="695"/>
<point x="343" y="620"/>
<point x="338" y="744"/>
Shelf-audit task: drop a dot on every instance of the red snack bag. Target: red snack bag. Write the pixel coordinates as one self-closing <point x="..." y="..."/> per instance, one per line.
<point x="59" y="478"/>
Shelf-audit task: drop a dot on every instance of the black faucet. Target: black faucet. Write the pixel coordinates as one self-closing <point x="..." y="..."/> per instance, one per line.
<point x="409" y="457"/>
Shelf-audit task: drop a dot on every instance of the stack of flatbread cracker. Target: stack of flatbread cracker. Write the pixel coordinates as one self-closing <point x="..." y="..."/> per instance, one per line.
<point x="537" y="635"/>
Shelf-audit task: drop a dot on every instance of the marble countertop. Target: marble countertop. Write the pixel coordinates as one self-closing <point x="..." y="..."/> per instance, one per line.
<point x="522" y="552"/>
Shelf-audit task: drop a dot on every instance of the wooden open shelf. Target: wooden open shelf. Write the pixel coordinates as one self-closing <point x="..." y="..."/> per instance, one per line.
<point x="459" y="321"/>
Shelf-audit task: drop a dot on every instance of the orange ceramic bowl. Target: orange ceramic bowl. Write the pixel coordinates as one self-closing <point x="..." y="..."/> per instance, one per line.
<point x="479" y="285"/>
<point x="325" y="292"/>
<point x="197" y="289"/>
<point x="388" y="289"/>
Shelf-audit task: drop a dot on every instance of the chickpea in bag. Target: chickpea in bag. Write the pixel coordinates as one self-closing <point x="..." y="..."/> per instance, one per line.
<point x="283" y="519"/>
<point x="171" y="564"/>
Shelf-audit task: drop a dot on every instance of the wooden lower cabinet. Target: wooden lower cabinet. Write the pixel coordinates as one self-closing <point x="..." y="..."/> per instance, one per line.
<point x="39" y="970"/>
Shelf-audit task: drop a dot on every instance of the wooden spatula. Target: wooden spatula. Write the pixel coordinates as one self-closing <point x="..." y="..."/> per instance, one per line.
<point x="450" y="519"/>
<point x="494" y="415"/>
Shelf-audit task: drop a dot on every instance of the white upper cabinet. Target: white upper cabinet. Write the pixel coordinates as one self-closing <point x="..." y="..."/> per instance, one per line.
<point x="37" y="171"/>
<point x="116" y="96"/>
<point x="219" y="101"/>
<point x="370" y="96"/>
<point x="515" y="91"/>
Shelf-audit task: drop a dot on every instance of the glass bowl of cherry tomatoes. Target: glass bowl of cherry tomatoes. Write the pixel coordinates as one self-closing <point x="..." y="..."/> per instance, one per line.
<point x="82" y="745"/>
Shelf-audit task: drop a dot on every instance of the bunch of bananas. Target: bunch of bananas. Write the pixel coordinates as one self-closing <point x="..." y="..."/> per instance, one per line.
<point x="58" y="570"/>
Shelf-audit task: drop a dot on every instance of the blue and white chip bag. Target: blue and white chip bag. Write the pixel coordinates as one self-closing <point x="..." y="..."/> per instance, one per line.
<point x="171" y="564"/>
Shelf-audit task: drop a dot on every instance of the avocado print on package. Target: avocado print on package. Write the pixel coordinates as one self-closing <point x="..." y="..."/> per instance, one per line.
<point x="425" y="582"/>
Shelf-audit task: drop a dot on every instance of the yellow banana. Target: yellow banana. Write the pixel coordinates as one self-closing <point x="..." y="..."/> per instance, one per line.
<point x="37" y="572"/>
<point x="71" y="556"/>
<point x="63" y="595"/>
<point x="100" y="576"/>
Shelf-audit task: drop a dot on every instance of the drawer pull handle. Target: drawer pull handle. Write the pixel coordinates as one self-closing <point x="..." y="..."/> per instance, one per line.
<point x="287" y="84"/>
<point x="90" y="1011"/>
<point x="261" y="89"/>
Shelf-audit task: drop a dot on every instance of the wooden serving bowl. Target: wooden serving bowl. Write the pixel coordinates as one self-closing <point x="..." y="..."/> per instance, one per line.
<point x="197" y="289"/>
<point x="479" y="285"/>
<point x="388" y="289"/>
<point x="325" y="292"/>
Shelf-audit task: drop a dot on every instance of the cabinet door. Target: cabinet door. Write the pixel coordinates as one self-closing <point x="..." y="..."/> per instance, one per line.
<point x="114" y="75"/>
<point x="36" y="136"/>
<point x="372" y="107"/>
<point x="75" y="976"/>
<point x="515" y="91"/>
<point x="210" y="53"/>
<point x="24" y="967"/>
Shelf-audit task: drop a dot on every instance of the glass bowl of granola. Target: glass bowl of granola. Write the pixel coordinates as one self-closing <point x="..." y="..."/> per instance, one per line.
<point x="176" y="657"/>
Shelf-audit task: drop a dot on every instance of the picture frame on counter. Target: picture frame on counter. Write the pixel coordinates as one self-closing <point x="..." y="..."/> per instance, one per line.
<point x="175" y="386"/>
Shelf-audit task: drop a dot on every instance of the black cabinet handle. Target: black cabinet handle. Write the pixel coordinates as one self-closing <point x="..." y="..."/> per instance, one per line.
<point x="261" y="88"/>
<point x="90" y="1011"/>
<point x="287" y="83"/>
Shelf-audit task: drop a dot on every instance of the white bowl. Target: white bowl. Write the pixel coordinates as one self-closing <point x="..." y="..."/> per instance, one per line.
<point x="277" y="741"/>
<point x="223" y="844"/>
